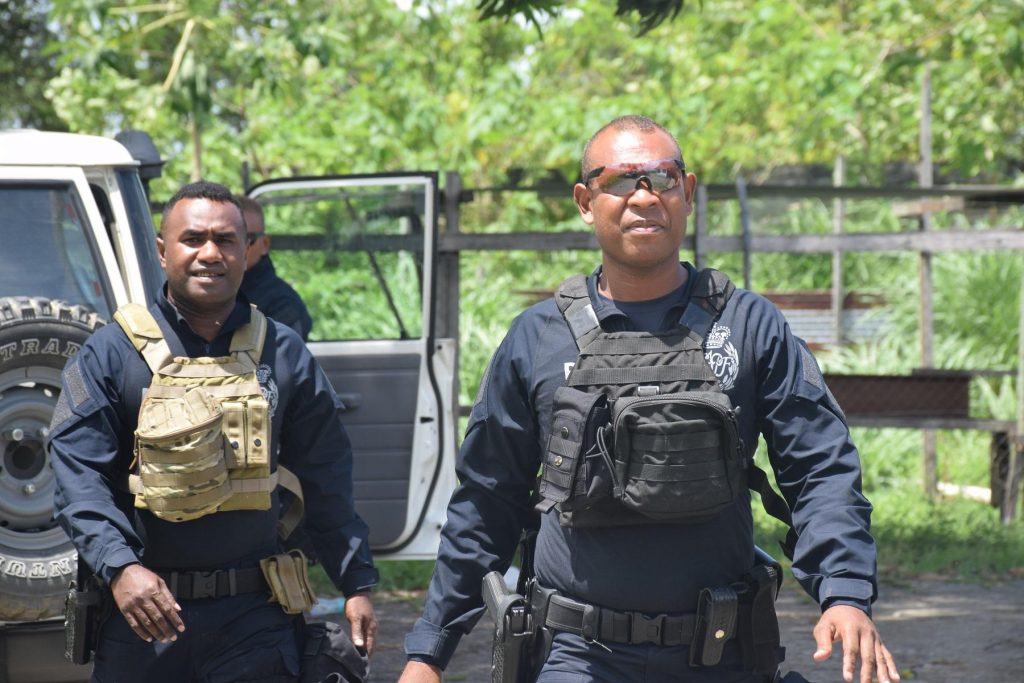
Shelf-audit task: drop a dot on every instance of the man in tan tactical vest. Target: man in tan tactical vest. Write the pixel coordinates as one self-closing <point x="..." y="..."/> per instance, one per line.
<point x="173" y="431"/>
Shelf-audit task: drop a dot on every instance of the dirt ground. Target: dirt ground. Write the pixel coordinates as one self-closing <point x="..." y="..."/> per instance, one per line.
<point x="939" y="632"/>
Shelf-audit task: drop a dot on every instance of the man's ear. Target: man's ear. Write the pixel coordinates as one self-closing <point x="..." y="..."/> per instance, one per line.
<point x="160" y="251"/>
<point x="581" y="195"/>
<point x="689" y="190"/>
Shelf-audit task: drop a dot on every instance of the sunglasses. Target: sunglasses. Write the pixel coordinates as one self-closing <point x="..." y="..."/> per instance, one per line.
<point x="624" y="179"/>
<point x="253" y="236"/>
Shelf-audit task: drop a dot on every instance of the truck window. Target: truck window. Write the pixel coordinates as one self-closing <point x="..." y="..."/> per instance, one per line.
<point x="355" y="255"/>
<point x="47" y="252"/>
<point x="143" y="232"/>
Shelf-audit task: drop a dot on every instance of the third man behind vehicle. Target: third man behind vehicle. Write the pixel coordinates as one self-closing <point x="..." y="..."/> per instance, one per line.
<point x="641" y="392"/>
<point x="261" y="284"/>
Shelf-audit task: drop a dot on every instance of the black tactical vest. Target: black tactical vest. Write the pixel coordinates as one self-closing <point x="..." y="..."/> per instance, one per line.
<point x="642" y="433"/>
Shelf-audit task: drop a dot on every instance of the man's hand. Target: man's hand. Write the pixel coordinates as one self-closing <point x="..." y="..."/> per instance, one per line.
<point x="418" y="672"/>
<point x="146" y="603"/>
<point x="360" y="614"/>
<point x="860" y="640"/>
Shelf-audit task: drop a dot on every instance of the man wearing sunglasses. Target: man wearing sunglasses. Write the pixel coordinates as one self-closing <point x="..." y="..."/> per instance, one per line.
<point x="640" y="393"/>
<point x="261" y="284"/>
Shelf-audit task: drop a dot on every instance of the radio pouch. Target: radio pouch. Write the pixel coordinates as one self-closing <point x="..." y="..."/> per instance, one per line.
<point x="287" y="575"/>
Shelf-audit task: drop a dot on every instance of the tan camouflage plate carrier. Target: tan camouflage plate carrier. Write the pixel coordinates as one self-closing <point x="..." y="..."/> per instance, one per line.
<point x="203" y="438"/>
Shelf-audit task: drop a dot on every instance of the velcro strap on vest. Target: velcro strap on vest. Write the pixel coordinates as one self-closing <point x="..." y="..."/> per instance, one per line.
<point x="675" y="442"/>
<point x="193" y="501"/>
<point x="166" y="457"/>
<point x="216" y="390"/>
<point x="644" y="375"/>
<point x="255" y="484"/>
<point x="220" y="583"/>
<point x="593" y="622"/>
<point x="176" y="479"/>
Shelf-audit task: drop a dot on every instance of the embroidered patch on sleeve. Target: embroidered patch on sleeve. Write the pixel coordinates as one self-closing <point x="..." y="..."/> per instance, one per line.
<point x="76" y="387"/>
<point x="812" y="374"/>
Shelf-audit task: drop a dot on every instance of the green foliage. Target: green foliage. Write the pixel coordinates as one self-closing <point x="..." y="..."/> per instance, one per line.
<point x="347" y="86"/>
<point x="26" y="65"/>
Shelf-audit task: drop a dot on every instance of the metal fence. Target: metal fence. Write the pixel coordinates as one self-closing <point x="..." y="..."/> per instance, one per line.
<point x="751" y="230"/>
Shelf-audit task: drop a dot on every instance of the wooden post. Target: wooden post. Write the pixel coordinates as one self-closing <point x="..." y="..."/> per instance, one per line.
<point x="741" y="194"/>
<point x="700" y="256"/>
<point x="838" y="218"/>
<point x="448" y="280"/>
<point x="925" y="317"/>
<point x="1011" y="497"/>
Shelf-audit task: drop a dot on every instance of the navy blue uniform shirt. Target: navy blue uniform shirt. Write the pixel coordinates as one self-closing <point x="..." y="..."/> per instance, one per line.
<point x="275" y="297"/>
<point x="774" y="383"/>
<point x="91" y="443"/>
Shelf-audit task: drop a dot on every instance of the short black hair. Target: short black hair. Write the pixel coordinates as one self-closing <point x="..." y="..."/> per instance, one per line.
<point x="202" y="189"/>
<point x="627" y="122"/>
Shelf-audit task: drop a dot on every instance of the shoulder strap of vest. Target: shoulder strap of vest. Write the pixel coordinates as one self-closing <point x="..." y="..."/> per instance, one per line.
<point x="249" y="338"/>
<point x="573" y="300"/>
<point x="296" y="508"/>
<point x="711" y="292"/>
<point x="142" y="329"/>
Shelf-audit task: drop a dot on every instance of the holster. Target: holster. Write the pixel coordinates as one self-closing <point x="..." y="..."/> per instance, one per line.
<point x="287" y="575"/>
<point x="758" y="635"/>
<point x="513" y="631"/>
<point x="85" y="608"/>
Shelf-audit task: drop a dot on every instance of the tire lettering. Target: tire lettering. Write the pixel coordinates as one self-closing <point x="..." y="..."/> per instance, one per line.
<point x="71" y="349"/>
<point x="7" y="351"/>
<point x="13" y="567"/>
<point x="61" y="567"/>
<point x="53" y="348"/>
<point x="37" y="570"/>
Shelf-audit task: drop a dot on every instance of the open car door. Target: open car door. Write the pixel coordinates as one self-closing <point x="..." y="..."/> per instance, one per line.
<point x="361" y="251"/>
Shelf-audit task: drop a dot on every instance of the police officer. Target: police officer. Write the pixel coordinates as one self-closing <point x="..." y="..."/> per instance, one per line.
<point x="261" y="284"/>
<point x="191" y="551"/>
<point x="639" y="556"/>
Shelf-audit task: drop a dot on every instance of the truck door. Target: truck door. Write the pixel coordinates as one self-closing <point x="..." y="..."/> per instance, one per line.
<point x="361" y="251"/>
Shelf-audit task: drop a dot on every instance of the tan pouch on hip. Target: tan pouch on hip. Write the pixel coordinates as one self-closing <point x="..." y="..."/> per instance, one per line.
<point x="288" y="577"/>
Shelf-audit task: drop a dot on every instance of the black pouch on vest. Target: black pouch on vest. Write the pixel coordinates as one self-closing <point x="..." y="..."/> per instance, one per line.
<point x="573" y="463"/>
<point x="329" y="655"/>
<point x="677" y="456"/>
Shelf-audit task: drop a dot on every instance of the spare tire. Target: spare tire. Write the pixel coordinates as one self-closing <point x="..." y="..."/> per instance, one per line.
<point x="37" y="560"/>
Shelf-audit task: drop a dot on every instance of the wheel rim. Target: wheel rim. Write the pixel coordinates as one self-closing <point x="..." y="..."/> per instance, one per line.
<point x="27" y="399"/>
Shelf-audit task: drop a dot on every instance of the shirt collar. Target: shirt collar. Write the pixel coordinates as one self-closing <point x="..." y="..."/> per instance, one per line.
<point x="239" y="316"/>
<point x="605" y="309"/>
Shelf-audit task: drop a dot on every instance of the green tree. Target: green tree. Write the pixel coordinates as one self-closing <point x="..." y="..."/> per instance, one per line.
<point x="25" y="66"/>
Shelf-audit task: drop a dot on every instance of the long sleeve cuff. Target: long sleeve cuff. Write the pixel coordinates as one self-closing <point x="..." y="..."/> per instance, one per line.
<point x="360" y="580"/>
<point x="844" y="591"/>
<point x="431" y="644"/>
<point x="112" y="562"/>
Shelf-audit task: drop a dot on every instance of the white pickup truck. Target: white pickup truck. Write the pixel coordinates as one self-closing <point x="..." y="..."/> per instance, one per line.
<point x="77" y="241"/>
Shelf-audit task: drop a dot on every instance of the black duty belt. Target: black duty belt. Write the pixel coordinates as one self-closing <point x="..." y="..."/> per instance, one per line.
<point x="594" y="622"/>
<point x="219" y="583"/>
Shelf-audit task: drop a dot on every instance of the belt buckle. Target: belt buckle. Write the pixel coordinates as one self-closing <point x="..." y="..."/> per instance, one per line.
<point x="644" y="629"/>
<point x="204" y="584"/>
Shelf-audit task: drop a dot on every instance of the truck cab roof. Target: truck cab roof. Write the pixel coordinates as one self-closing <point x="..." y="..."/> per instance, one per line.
<point x="41" y="148"/>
